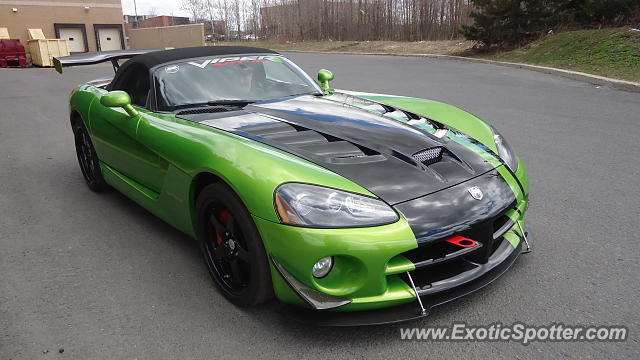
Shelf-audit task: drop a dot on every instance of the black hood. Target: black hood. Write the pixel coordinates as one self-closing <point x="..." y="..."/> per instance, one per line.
<point x="394" y="160"/>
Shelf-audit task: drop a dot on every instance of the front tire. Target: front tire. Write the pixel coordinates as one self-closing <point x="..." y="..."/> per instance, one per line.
<point x="232" y="248"/>
<point x="88" y="160"/>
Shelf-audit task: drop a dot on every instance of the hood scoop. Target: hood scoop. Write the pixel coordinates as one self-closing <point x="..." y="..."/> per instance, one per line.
<point x="429" y="156"/>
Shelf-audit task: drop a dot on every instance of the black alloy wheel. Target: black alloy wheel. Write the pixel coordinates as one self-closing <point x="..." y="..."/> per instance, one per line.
<point x="231" y="246"/>
<point x="88" y="160"/>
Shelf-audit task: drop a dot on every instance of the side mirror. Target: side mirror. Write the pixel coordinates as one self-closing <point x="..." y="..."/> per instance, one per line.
<point x="119" y="98"/>
<point x="324" y="76"/>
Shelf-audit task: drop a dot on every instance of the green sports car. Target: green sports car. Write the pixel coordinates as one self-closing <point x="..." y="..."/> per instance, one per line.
<point x="348" y="207"/>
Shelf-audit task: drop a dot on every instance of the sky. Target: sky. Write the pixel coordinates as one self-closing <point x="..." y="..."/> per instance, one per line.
<point x="162" y="7"/>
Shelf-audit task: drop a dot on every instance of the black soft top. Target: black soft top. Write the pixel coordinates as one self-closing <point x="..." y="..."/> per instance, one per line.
<point x="154" y="58"/>
<point x="149" y="58"/>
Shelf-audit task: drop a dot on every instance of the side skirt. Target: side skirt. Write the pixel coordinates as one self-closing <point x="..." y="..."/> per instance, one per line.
<point x="171" y="205"/>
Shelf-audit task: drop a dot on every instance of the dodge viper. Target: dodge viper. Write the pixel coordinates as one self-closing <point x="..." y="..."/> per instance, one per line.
<point x="349" y="207"/>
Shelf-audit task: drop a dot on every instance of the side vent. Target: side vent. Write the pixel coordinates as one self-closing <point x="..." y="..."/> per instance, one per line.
<point x="428" y="156"/>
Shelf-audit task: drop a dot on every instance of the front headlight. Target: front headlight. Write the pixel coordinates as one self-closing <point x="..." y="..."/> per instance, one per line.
<point x="318" y="206"/>
<point x="505" y="151"/>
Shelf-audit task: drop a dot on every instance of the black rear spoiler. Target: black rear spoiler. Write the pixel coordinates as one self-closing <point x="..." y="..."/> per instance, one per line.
<point x="90" y="58"/>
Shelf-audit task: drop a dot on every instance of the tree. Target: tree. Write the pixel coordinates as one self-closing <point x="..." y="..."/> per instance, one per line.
<point x="505" y="22"/>
<point x="195" y="8"/>
<point x="591" y="13"/>
<point x="511" y="22"/>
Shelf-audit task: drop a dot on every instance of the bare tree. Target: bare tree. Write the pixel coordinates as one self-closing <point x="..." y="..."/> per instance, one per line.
<point x="300" y="20"/>
<point x="210" y="9"/>
<point x="361" y="19"/>
<point x="195" y="8"/>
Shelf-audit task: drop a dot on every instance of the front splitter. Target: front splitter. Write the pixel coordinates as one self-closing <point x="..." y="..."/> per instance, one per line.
<point x="401" y="313"/>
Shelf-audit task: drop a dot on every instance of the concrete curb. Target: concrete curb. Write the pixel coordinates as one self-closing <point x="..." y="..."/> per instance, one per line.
<point x="574" y="75"/>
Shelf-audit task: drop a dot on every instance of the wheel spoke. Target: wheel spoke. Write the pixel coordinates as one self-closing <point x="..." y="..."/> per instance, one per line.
<point x="236" y="277"/>
<point x="218" y="252"/>
<point x="242" y="254"/>
<point x="230" y="226"/>
<point x="84" y="156"/>
<point x="219" y="228"/>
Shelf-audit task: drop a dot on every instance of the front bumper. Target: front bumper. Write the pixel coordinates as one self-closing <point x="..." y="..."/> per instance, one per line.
<point x="375" y="288"/>
<point x="499" y="263"/>
<point x="379" y="275"/>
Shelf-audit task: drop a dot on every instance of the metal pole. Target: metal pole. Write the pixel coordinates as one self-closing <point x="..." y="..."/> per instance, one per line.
<point x="135" y="9"/>
<point x="422" y="309"/>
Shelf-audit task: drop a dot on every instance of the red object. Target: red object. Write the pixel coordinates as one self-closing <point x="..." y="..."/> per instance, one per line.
<point x="462" y="241"/>
<point x="12" y="54"/>
<point x="224" y="217"/>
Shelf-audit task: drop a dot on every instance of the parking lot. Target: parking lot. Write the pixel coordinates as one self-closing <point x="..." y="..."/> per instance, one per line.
<point x="98" y="276"/>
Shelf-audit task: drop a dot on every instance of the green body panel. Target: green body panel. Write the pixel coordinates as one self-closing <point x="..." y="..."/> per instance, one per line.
<point x="399" y="264"/>
<point x="155" y="159"/>
<point x="150" y="149"/>
<point x="361" y="254"/>
<point x="522" y="176"/>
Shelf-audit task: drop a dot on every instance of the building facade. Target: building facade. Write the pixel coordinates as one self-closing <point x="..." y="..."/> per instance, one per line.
<point x="132" y="19"/>
<point x="160" y="21"/>
<point x="149" y="21"/>
<point x="89" y="25"/>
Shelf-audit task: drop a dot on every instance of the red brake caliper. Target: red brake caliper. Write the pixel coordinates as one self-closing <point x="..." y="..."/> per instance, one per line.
<point x="462" y="241"/>
<point x="224" y="217"/>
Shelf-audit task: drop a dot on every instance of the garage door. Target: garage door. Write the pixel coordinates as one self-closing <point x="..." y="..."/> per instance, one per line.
<point x="75" y="37"/>
<point x="109" y="39"/>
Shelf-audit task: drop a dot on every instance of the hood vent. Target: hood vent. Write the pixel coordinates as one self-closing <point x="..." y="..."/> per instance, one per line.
<point x="429" y="156"/>
<point x="207" y="110"/>
<point x="331" y="148"/>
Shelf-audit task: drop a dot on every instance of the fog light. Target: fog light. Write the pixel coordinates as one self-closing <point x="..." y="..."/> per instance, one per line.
<point x="322" y="267"/>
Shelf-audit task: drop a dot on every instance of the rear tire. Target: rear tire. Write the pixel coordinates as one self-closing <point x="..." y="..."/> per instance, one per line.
<point x="88" y="159"/>
<point x="232" y="248"/>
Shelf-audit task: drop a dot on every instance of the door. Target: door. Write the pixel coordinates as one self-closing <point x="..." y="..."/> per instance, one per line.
<point x="75" y="37"/>
<point x="109" y="39"/>
<point x="116" y="137"/>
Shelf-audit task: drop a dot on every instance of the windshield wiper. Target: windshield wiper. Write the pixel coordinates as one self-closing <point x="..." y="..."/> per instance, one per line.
<point x="314" y="93"/>
<point x="236" y="102"/>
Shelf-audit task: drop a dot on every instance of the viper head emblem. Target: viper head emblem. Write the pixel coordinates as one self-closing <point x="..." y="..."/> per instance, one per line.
<point x="475" y="192"/>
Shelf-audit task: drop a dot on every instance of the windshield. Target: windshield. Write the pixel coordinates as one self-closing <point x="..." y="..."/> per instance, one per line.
<point x="207" y="81"/>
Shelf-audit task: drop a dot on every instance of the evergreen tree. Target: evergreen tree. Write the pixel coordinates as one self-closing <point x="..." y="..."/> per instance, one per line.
<point x="507" y="22"/>
<point x="512" y="22"/>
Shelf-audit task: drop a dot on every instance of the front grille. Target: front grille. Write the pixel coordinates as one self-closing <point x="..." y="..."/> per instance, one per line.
<point x="488" y="234"/>
<point x="428" y="156"/>
<point x="438" y="253"/>
<point x="424" y="278"/>
<point x="501" y="225"/>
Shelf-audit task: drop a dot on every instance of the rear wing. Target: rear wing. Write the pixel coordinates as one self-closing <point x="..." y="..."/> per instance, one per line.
<point x="90" y="58"/>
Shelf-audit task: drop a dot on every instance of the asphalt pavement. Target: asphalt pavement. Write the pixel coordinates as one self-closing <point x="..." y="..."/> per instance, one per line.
<point x="101" y="278"/>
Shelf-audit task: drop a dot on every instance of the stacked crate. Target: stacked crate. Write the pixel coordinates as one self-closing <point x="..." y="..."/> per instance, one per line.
<point x="44" y="50"/>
